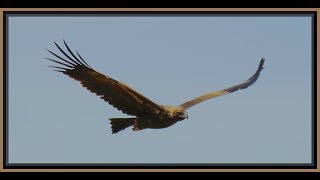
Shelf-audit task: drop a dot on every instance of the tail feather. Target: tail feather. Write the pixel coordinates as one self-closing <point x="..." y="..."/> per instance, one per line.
<point x="119" y="124"/>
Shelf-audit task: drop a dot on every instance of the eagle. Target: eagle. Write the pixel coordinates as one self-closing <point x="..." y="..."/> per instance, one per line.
<point x="146" y="113"/>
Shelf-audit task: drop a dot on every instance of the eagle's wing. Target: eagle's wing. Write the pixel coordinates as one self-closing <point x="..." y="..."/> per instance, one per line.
<point x="207" y="96"/>
<point x="112" y="91"/>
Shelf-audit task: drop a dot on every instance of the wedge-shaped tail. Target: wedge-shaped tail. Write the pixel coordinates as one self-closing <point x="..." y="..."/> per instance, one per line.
<point x="119" y="124"/>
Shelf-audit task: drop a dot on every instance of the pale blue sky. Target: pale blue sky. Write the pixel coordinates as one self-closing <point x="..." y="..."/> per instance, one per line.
<point x="53" y="119"/>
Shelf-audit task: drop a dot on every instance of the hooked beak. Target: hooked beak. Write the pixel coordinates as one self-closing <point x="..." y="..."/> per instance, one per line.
<point x="185" y="116"/>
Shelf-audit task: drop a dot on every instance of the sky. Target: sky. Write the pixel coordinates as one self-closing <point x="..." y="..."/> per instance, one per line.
<point x="169" y="59"/>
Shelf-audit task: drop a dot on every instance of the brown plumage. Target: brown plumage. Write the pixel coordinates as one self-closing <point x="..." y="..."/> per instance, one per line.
<point x="148" y="114"/>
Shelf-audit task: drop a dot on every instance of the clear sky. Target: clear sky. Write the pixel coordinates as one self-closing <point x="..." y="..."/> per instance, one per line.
<point x="53" y="119"/>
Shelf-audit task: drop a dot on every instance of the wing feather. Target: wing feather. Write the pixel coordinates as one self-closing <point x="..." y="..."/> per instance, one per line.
<point x="243" y="85"/>
<point x="116" y="93"/>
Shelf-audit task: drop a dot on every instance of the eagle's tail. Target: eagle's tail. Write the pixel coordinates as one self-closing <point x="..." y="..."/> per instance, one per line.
<point x="119" y="124"/>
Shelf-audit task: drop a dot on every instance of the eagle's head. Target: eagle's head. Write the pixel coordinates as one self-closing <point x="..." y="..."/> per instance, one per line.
<point x="181" y="114"/>
<point x="175" y="113"/>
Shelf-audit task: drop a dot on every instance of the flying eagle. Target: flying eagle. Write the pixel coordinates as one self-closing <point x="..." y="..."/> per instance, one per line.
<point x="148" y="114"/>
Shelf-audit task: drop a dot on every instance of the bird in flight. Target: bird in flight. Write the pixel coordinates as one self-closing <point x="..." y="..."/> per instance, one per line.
<point x="147" y="114"/>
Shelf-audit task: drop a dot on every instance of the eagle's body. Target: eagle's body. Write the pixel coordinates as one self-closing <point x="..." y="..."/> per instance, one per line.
<point x="148" y="114"/>
<point x="163" y="119"/>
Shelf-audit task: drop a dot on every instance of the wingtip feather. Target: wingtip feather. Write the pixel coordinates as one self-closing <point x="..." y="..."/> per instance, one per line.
<point x="261" y="64"/>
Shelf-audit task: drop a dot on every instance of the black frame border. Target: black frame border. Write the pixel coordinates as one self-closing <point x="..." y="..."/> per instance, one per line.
<point x="312" y="165"/>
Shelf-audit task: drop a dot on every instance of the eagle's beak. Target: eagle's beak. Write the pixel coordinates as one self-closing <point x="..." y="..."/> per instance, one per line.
<point x="186" y="115"/>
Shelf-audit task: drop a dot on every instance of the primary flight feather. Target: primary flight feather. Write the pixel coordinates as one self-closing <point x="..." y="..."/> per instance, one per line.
<point x="148" y="114"/>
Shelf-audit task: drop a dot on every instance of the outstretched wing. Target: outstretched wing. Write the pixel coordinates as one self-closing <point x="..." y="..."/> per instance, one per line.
<point x="116" y="93"/>
<point x="207" y="96"/>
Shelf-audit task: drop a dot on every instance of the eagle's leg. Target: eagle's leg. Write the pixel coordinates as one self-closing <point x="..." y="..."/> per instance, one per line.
<point x="119" y="124"/>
